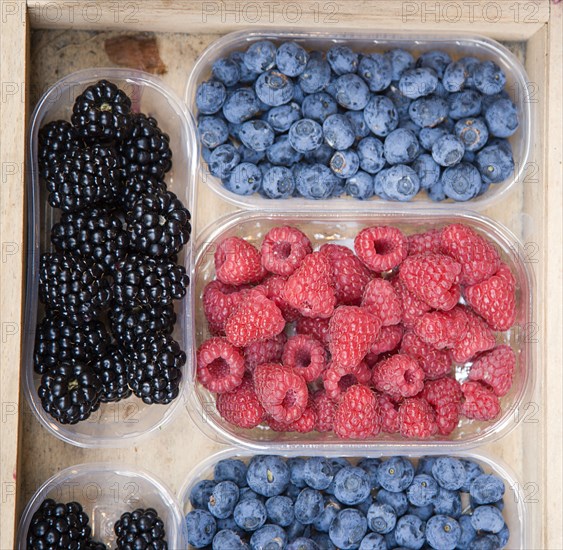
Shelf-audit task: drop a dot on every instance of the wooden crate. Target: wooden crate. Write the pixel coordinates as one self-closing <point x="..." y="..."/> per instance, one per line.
<point x="43" y="40"/>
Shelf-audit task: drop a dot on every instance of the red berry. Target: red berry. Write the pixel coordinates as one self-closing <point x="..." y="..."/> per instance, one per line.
<point x="220" y="365"/>
<point x="477" y="339"/>
<point x="505" y="273"/>
<point x="432" y="278"/>
<point x="241" y="407"/>
<point x="357" y="415"/>
<point x="273" y="286"/>
<point x="389" y="414"/>
<point x="435" y="363"/>
<point x="442" y="329"/>
<point x="445" y="396"/>
<point x="255" y="319"/>
<point x="264" y="351"/>
<point x="237" y="262"/>
<point x="352" y="332"/>
<point x="381" y="299"/>
<point x="282" y="392"/>
<point x="309" y="289"/>
<point x="325" y="408"/>
<point x="478" y="258"/>
<point x="305" y="355"/>
<point x="304" y="424"/>
<point x="429" y="241"/>
<point x="283" y="249"/>
<point x="315" y="327"/>
<point x="219" y="301"/>
<point x="417" y="418"/>
<point x="387" y="339"/>
<point x="337" y="378"/>
<point x="278" y="426"/>
<point x="413" y="308"/>
<point x="480" y="402"/>
<point x="399" y="376"/>
<point x="495" y="368"/>
<point x="381" y="248"/>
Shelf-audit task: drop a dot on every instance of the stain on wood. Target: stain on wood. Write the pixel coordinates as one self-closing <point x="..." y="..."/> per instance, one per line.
<point x="138" y="51"/>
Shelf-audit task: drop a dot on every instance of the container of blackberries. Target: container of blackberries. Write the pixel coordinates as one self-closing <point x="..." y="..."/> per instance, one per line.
<point x="102" y="505"/>
<point x="110" y="191"/>
<point x="287" y="118"/>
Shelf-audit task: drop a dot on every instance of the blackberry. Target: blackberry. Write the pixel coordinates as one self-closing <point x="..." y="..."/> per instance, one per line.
<point x="111" y="369"/>
<point x="145" y="149"/>
<point x="55" y="139"/>
<point x="140" y="280"/>
<point x="158" y="224"/>
<point x="134" y="187"/>
<point x="154" y="369"/>
<point x="141" y="528"/>
<point x="101" y="113"/>
<point x="57" y="525"/>
<point x="78" y="289"/>
<point x="95" y="234"/>
<point x="57" y="340"/>
<point x="130" y="325"/>
<point x="70" y="392"/>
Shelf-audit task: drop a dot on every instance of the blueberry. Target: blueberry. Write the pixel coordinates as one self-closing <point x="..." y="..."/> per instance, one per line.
<point x="281" y="118"/>
<point x="423" y="512"/>
<point x="448" y="471"/>
<point x="260" y="56"/>
<point x="351" y="92"/>
<point x="472" y="471"/>
<point x="495" y="163"/>
<point x="345" y="164"/>
<point x="316" y="75"/>
<point x="222" y="160"/>
<point x="338" y="132"/>
<point x="308" y="506"/>
<point x="234" y="129"/>
<point x="330" y="511"/>
<point x="436" y="192"/>
<point x="468" y="533"/>
<point x="241" y="106"/>
<point x="296" y="530"/>
<point x="363" y="506"/>
<point x="250" y="514"/>
<point x="448" y="150"/>
<point x="428" y="136"/>
<point x="315" y="181"/>
<point x="358" y="122"/>
<point x="472" y="132"/>
<point x="244" y="179"/>
<point x="342" y="59"/>
<point x="323" y="541"/>
<point x="318" y="473"/>
<point x="422" y="490"/>
<point x="464" y="104"/>
<point x="436" y="60"/>
<point x="360" y="186"/>
<point x="401" y="146"/>
<point x="231" y="469"/>
<point x="427" y="170"/>
<point x="292" y="491"/>
<point x="206" y="153"/>
<point x="247" y="493"/>
<point x="348" y="529"/>
<point x="305" y="135"/>
<point x="337" y="462"/>
<point x="223" y="500"/>
<point x="291" y="59"/>
<point x="247" y="76"/>
<point x="381" y="116"/>
<point x="267" y="475"/>
<point x="487" y="519"/>
<point x="371" y="468"/>
<point x="408" y="124"/>
<point x="199" y="495"/>
<point x="228" y="539"/>
<point x="278" y="183"/>
<point x="488" y="78"/>
<point x="410" y="532"/>
<point x="401" y="102"/>
<point x="303" y="543"/>
<point x="319" y="106"/>
<point x="399" y="183"/>
<point x="280" y="510"/>
<point x="226" y="71"/>
<point x="447" y="502"/>
<point x="487" y="489"/>
<point x="296" y="467"/>
<point x="339" y="188"/>
<point x="381" y="518"/>
<point x="443" y="532"/>
<point x="250" y="155"/>
<point x="201" y="528"/>
<point x="401" y="61"/>
<point x="428" y="111"/>
<point x="391" y="541"/>
<point x="210" y="97"/>
<point x="371" y="154"/>
<point x="373" y="541"/>
<point x="351" y="485"/>
<point x="504" y="536"/>
<point x="486" y="542"/>
<point x="425" y="464"/>
<point x="321" y="155"/>
<point x="228" y="524"/>
<point x="274" y="88"/>
<point x="257" y="135"/>
<point x="298" y="95"/>
<point x="488" y="100"/>
<point x="502" y="118"/>
<point x="415" y="83"/>
<point x="376" y="70"/>
<point x="454" y="77"/>
<point x="282" y="153"/>
<point x="213" y="131"/>
<point x="268" y="537"/>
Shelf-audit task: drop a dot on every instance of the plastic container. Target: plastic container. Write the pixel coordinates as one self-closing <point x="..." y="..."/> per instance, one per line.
<point x="516" y="513"/>
<point x="122" y="423"/>
<point x="105" y="491"/>
<point x="458" y="45"/>
<point x="341" y="229"/>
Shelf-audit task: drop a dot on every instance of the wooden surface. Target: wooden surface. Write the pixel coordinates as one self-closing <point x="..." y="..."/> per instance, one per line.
<point x="533" y="212"/>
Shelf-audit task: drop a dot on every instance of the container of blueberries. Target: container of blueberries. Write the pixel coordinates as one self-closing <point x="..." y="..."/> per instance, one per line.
<point x="112" y="161"/>
<point x="98" y="505"/>
<point x="285" y="118"/>
<point x="305" y="501"/>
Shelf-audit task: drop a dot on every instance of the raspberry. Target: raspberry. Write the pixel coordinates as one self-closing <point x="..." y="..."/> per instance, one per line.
<point x="432" y="278"/>
<point x="387" y="339"/>
<point x="304" y="424"/>
<point x="283" y="249"/>
<point x="315" y="327"/>
<point x="220" y="366"/>
<point x="337" y="378"/>
<point x="480" y="402"/>
<point x="371" y="359"/>
<point x="413" y="308"/>
<point x="388" y="413"/>
<point x="273" y="286"/>
<point x="219" y="301"/>
<point x="265" y="351"/>
<point x="256" y="318"/>
<point x="417" y="418"/>
<point x="305" y="355"/>
<point x="494" y="299"/>
<point x="309" y="288"/>
<point x="237" y="262"/>
<point x="282" y="392"/>
<point x="278" y="426"/>
<point x="349" y="274"/>
<point x="435" y="363"/>
<point x="381" y="299"/>
<point x="505" y="273"/>
<point x="399" y="375"/>
<point x="325" y="408"/>
<point x="429" y="241"/>
<point x="357" y="415"/>
<point x="495" y="369"/>
<point x="442" y="329"/>
<point x="381" y="248"/>
<point x="241" y="407"/>
<point x="445" y="396"/>
<point x="478" y="258"/>
<point x="352" y="332"/>
<point x="478" y="338"/>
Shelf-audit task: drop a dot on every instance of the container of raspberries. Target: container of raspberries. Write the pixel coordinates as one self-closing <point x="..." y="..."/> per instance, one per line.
<point x="288" y="118"/>
<point x="110" y="192"/>
<point x="237" y="500"/>
<point x="102" y="505"/>
<point x="351" y="331"/>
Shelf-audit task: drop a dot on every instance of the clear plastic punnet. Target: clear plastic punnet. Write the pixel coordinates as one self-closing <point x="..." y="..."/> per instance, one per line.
<point x="122" y="423"/>
<point x="457" y="46"/>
